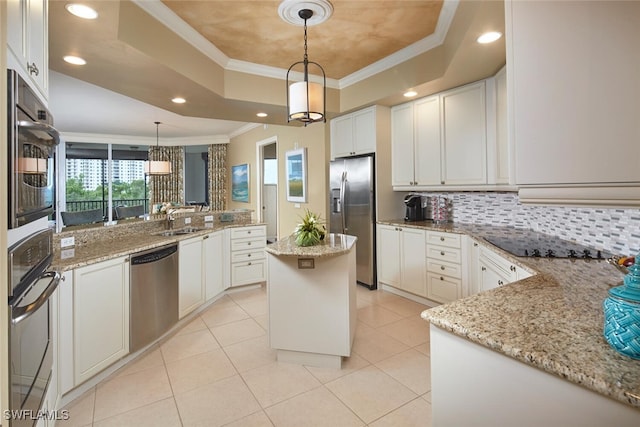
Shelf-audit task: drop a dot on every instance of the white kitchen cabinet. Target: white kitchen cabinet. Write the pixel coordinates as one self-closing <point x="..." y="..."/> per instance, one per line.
<point x="28" y="41"/>
<point x="401" y="258"/>
<point x="464" y="135"/>
<point x="402" y="148"/>
<point x="502" y="152"/>
<point x="415" y="135"/>
<point x="64" y="357"/>
<point x="495" y="270"/>
<point x="574" y="100"/>
<point x="100" y="316"/>
<point x="247" y="261"/>
<point x="441" y="141"/>
<point x="354" y="133"/>
<point x="191" y="293"/>
<point x="444" y="266"/>
<point x="213" y="268"/>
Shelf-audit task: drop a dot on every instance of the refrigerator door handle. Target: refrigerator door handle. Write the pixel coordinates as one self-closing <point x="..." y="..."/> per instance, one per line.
<point x="343" y="213"/>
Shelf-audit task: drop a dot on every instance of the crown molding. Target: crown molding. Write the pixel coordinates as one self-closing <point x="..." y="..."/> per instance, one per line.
<point x="102" y="138"/>
<point x="167" y="17"/>
<point x="421" y="46"/>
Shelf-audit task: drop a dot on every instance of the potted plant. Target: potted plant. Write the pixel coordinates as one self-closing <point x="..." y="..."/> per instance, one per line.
<point x="311" y="231"/>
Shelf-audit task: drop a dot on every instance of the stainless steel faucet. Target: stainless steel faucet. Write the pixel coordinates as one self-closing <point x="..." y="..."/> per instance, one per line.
<point x="170" y="220"/>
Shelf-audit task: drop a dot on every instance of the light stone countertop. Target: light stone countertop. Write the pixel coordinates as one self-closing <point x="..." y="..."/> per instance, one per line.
<point x="126" y="244"/>
<point x="332" y="245"/>
<point x="552" y="321"/>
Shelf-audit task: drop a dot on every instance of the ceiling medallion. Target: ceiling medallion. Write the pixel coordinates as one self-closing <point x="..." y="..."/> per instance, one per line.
<point x="289" y="11"/>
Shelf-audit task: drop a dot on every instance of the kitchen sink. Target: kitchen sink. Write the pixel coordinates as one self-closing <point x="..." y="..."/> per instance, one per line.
<point x="178" y="232"/>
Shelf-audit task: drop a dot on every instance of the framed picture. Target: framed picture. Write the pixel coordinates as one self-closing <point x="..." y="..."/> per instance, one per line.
<point x="240" y="183"/>
<point x="296" y="161"/>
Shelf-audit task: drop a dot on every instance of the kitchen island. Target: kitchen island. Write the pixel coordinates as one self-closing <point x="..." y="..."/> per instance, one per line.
<point x="312" y="300"/>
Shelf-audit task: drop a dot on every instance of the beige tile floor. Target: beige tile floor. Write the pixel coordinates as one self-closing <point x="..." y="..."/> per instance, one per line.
<point x="219" y="371"/>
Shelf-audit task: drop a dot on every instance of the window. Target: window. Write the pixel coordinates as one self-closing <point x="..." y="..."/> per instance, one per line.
<point x="89" y="185"/>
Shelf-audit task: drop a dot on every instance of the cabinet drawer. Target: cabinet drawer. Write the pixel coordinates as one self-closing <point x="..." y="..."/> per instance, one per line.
<point x="445" y="268"/>
<point x="442" y="253"/>
<point x="439" y="238"/>
<point x="244" y="273"/>
<point x="248" y="243"/>
<point x="502" y="265"/>
<point x="251" y="255"/>
<point x="244" y="232"/>
<point x="443" y="289"/>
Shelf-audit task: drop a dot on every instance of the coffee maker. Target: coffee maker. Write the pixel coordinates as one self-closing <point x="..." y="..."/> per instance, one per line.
<point x="414" y="210"/>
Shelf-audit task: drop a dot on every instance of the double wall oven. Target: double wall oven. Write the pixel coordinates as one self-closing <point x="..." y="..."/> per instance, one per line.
<point x="31" y="285"/>
<point x="32" y="141"/>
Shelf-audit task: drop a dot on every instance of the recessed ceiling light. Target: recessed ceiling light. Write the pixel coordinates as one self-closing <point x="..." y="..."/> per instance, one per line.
<point x="262" y="114"/>
<point x="489" y="37"/>
<point x="75" y="60"/>
<point x="410" y="93"/>
<point x="81" y="11"/>
<point x="179" y="100"/>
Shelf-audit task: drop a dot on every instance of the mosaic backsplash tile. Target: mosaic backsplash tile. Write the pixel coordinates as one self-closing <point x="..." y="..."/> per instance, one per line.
<point x="612" y="230"/>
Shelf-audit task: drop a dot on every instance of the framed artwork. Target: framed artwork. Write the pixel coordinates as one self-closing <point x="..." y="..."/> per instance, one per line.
<point x="296" y="161"/>
<point x="240" y="183"/>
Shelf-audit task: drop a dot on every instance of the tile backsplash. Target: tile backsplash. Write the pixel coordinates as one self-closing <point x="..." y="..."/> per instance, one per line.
<point x="613" y="230"/>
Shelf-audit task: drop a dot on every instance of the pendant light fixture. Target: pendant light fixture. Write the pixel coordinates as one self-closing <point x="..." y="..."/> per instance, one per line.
<point x="157" y="167"/>
<point x="305" y="99"/>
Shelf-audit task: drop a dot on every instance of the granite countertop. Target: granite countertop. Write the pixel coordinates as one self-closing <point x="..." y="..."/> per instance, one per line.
<point x="127" y="244"/>
<point x="552" y="321"/>
<point x="333" y="244"/>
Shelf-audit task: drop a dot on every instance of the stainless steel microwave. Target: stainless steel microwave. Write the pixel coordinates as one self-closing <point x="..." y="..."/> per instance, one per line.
<point x="32" y="140"/>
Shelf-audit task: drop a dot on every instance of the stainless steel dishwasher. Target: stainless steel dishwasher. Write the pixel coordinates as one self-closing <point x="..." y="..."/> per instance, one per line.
<point x="153" y="308"/>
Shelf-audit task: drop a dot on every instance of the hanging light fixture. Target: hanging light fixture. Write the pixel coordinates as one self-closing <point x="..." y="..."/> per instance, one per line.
<point x="157" y="167"/>
<point x="305" y="99"/>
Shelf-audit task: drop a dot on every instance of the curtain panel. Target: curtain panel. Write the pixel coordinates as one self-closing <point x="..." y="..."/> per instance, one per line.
<point x="167" y="188"/>
<point x="218" y="176"/>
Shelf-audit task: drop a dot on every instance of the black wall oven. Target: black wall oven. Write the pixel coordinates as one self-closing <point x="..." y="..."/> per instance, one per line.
<point x="32" y="140"/>
<point x="30" y="348"/>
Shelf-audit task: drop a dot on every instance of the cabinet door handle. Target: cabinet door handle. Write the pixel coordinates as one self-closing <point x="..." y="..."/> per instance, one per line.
<point x="442" y="182"/>
<point x="500" y="283"/>
<point x="249" y="232"/>
<point x="249" y="263"/>
<point x="442" y="267"/>
<point x="248" y="255"/>
<point x="205" y="237"/>
<point x="475" y="245"/>
<point x="441" y="278"/>
<point x="33" y="68"/>
<point x="512" y="268"/>
<point x="442" y="239"/>
<point x="442" y="253"/>
<point x="484" y="268"/>
<point x="249" y="243"/>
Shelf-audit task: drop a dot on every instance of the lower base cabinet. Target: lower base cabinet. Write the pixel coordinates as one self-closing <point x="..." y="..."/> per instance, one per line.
<point x="401" y="258"/>
<point x="100" y="316"/>
<point x="191" y="293"/>
<point x="247" y="261"/>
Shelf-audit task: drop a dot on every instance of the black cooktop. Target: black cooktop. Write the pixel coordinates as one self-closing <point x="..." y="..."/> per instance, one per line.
<point x="527" y="243"/>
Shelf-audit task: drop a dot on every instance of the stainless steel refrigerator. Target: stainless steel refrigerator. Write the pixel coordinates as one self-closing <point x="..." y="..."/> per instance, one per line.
<point x="352" y="210"/>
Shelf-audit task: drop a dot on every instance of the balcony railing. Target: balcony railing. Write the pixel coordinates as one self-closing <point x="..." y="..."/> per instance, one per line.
<point x="85" y="205"/>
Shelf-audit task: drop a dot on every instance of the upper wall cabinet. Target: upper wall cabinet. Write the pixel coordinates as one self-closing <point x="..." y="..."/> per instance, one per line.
<point x="28" y="41"/>
<point x="354" y="133"/>
<point x="573" y="96"/>
<point x="442" y="141"/>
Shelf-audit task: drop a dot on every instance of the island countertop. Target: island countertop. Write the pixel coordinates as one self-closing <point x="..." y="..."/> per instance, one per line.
<point x="551" y="321"/>
<point x="333" y="244"/>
